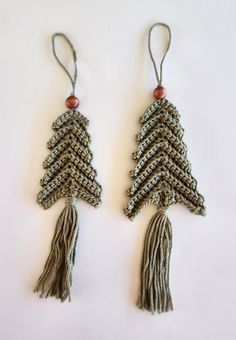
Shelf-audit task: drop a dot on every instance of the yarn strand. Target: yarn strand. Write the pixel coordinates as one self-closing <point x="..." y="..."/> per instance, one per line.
<point x="154" y="289"/>
<point x="56" y="278"/>
<point x="158" y="76"/>
<point x="74" y="78"/>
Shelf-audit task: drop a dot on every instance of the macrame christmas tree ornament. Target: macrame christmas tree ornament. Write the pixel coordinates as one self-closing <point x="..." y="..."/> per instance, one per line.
<point x="69" y="174"/>
<point x="162" y="176"/>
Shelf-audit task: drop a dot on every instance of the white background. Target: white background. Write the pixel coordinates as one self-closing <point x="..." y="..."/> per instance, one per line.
<point x="115" y="86"/>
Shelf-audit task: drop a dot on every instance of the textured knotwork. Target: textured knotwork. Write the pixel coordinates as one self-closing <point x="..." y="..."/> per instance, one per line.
<point x="68" y="166"/>
<point x="162" y="174"/>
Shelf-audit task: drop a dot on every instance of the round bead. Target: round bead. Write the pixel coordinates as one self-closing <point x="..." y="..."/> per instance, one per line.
<point x="72" y="102"/>
<point x="159" y="92"/>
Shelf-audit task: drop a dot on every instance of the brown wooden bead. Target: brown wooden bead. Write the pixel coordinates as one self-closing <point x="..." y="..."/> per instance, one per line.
<point x="159" y="92"/>
<point x="72" y="102"/>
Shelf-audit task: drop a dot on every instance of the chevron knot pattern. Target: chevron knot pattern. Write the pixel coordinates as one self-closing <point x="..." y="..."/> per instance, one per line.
<point x="162" y="174"/>
<point x="69" y="172"/>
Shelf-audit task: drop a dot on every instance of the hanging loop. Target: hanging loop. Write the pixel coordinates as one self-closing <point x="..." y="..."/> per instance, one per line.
<point x="158" y="75"/>
<point x="74" y="78"/>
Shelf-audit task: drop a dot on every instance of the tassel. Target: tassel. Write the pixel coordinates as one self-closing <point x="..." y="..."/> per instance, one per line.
<point x="154" y="291"/>
<point x="56" y="278"/>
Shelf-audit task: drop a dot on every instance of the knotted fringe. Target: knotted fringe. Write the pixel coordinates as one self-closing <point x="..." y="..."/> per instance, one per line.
<point x="56" y="278"/>
<point x="154" y="291"/>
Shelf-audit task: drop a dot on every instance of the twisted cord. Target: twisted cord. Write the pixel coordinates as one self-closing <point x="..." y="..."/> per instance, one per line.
<point x="74" y="78"/>
<point x="158" y="75"/>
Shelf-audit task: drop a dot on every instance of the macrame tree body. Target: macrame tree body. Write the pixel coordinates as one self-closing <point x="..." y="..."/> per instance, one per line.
<point x="69" y="174"/>
<point x="162" y="175"/>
